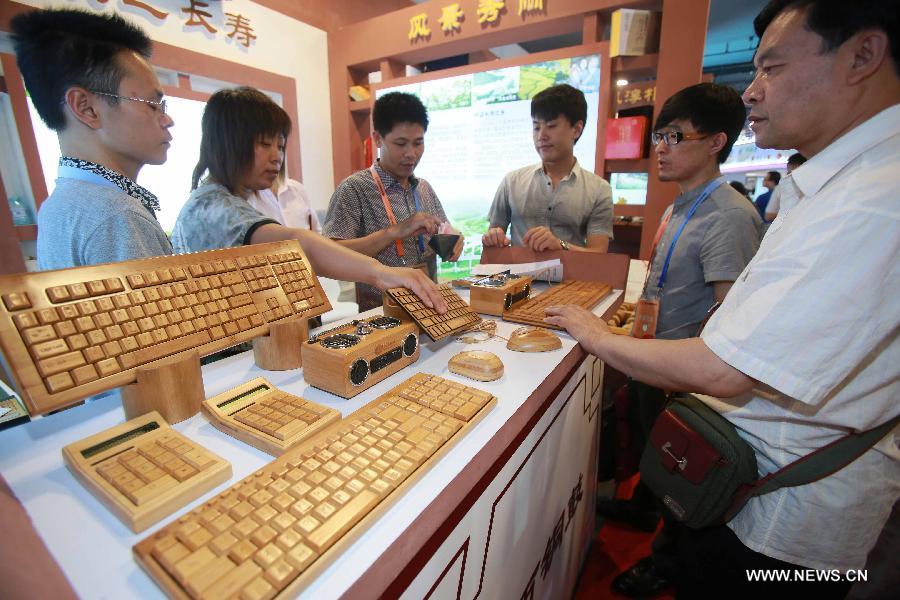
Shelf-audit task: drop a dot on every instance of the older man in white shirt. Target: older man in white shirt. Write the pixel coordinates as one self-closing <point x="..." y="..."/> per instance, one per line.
<point x="805" y="347"/>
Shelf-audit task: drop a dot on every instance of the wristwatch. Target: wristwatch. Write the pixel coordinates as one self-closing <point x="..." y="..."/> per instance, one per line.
<point x="564" y="244"/>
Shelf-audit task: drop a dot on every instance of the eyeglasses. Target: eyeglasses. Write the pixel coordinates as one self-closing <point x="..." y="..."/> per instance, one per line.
<point x="673" y="138"/>
<point x="161" y="105"/>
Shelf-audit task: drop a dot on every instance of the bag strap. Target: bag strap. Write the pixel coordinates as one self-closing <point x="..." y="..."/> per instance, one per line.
<point x="814" y="466"/>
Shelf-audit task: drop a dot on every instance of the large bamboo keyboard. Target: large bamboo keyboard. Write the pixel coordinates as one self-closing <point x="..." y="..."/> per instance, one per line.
<point x="400" y="302"/>
<point x="144" y="470"/>
<point x="273" y="532"/>
<point x="265" y="417"/>
<point x="72" y="333"/>
<point x="586" y="294"/>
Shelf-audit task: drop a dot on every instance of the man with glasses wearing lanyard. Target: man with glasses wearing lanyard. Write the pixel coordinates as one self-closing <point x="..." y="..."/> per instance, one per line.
<point x="385" y="211"/>
<point x="703" y="243"/>
<point x="101" y="96"/>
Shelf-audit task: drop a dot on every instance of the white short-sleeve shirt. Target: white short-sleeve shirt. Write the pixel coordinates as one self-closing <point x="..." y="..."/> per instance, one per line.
<point x="814" y="318"/>
<point x="290" y="207"/>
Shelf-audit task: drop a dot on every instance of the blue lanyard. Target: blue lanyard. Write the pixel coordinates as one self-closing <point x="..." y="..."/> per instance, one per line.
<point x="418" y="210"/>
<point x="709" y="189"/>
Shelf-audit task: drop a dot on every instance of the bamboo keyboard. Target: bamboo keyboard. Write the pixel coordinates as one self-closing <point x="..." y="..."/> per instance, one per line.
<point x="586" y="294"/>
<point x="144" y="470"/>
<point x="72" y="333"/>
<point x="459" y="315"/>
<point x="263" y="416"/>
<point x="273" y="532"/>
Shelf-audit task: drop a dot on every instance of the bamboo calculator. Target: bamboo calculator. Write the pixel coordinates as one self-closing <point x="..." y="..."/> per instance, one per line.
<point x="267" y="418"/>
<point x="143" y="470"/>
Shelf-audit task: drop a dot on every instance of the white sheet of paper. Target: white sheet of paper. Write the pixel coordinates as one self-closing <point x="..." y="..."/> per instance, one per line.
<point x="550" y="270"/>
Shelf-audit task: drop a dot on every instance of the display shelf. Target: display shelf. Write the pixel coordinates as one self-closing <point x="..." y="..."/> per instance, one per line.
<point x="630" y="165"/>
<point x="635" y="67"/>
<point x="361" y="106"/>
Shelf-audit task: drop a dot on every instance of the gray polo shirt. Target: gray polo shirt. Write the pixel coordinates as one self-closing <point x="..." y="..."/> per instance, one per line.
<point x="716" y="245"/>
<point x="88" y="222"/>
<point x="215" y="218"/>
<point x="579" y="207"/>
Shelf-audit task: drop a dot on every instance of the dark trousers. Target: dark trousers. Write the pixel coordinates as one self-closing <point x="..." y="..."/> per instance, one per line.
<point x="645" y="402"/>
<point x="699" y="561"/>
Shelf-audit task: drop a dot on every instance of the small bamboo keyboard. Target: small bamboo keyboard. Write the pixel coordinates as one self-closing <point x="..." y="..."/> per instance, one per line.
<point x="273" y="532"/>
<point x="72" y="333"/>
<point x="586" y="294"/>
<point x="144" y="470"/>
<point x="267" y="418"/>
<point x="400" y="302"/>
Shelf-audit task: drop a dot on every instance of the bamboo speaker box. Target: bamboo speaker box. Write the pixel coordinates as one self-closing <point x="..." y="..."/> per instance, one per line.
<point x="498" y="293"/>
<point x="352" y="358"/>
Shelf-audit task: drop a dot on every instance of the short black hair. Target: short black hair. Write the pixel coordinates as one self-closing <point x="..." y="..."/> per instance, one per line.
<point x="233" y="121"/>
<point x="710" y="108"/>
<point x="58" y="49"/>
<point x="562" y="99"/>
<point x="796" y="159"/>
<point x="836" y="21"/>
<point x="398" y="107"/>
<point x="740" y="187"/>
<point x="774" y="176"/>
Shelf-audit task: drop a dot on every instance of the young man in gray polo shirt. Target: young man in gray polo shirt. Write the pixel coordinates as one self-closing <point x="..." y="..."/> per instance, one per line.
<point x="100" y="94"/>
<point x="719" y="235"/>
<point x="556" y="204"/>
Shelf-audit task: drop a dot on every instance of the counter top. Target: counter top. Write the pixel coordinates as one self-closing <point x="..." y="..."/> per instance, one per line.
<point x="93" y="547"/>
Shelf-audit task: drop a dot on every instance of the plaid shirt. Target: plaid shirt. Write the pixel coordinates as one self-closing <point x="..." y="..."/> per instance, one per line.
<point x="357" y="210"/>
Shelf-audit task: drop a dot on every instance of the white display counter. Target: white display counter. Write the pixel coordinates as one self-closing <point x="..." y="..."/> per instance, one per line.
<point x="517" y="489"/>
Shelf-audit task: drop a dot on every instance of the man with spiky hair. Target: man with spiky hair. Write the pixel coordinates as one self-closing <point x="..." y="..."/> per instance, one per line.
<point x="91" y="81"/>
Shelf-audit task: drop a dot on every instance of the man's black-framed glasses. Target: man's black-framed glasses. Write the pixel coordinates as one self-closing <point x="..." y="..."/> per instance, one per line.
<point x="673" y="138"/>
<point x="157" y="105"/>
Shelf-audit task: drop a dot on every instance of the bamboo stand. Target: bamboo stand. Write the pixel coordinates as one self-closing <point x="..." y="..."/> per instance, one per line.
<point x="279" y="350"/>
<point x="173" y="387"/>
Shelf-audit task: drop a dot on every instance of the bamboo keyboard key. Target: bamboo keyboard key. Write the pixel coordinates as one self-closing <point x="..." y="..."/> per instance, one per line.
<point x="301" y="509"/>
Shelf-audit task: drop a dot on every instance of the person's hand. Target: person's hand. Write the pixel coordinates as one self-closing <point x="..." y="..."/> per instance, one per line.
<point x="417" y="224"/>
<point x="414" y="280"/>
<point x="495" y="237"/>
<point x="582" y="324"/>
<point x="540" y="239"/>
<point x="457" y="250"/>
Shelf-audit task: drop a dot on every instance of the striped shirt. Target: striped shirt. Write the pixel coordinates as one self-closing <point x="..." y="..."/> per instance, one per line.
<point x="357" y="210"/>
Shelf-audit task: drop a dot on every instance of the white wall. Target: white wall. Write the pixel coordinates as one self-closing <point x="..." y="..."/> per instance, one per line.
<point x="283" y="46"/>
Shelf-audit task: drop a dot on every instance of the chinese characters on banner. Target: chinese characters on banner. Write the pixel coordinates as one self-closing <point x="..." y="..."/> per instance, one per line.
<point x="197" y="16"/>
<point x="636" y="94"/>
<point x="489" y="12"/>
<point x="555" y="539"/>
<point x="418" y="27"/>
<point x="451" y="17"/>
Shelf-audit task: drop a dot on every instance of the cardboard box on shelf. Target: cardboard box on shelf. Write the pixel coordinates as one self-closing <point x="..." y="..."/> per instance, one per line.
<point x="634" y="32"/>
